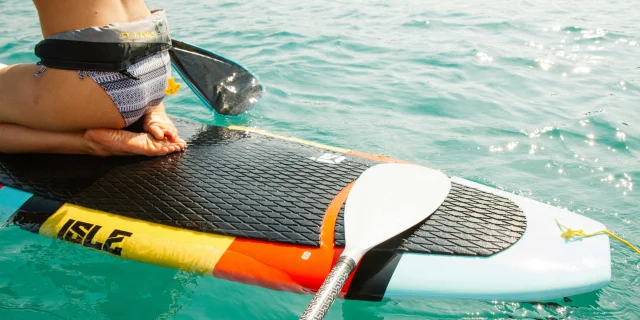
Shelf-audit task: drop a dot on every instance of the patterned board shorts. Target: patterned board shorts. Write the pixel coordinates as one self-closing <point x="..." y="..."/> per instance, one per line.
<point x="135" y="97"/>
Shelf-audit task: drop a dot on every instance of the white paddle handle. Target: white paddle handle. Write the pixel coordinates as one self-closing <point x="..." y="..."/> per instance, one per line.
<point x="330" y="289"/>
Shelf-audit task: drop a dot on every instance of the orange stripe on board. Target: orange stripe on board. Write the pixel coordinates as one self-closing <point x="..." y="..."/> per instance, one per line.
<point x="328" y="228"/>
<point x="284" y="266"/>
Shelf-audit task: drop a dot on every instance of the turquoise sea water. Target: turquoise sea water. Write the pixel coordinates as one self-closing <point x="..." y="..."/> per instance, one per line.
<point x="539" y="98"/>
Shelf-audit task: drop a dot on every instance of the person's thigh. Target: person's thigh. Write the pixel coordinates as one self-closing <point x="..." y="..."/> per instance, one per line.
<point x="56" y="100"/>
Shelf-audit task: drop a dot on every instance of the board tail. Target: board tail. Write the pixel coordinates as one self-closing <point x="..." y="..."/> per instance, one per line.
<point x="220" y="83"/>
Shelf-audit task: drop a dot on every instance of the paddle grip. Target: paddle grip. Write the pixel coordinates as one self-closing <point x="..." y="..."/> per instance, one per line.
<point x="330" y="289"/>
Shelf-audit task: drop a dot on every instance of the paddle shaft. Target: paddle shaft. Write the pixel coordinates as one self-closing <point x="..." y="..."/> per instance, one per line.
<point x="386" y="200"/>
<point x="330" y="289"/>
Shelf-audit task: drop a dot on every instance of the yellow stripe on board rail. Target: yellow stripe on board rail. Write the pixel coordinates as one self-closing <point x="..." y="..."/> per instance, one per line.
<point x="137" y="240"/>
<point x="269" y="134"/>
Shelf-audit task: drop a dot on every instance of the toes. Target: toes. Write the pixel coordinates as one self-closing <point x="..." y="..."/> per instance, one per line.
<point x="173" y="135"/>
<point x="181" y="143"/>
<point x="167" y="146"/>
<point x="157" y="132"/>
<point x="176" y="148"/>
<point x="170" y="132"/>
<point x="160" y="131"/>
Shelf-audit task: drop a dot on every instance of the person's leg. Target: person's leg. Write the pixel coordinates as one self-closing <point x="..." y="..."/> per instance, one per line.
<point x="97" y="142"/>
<point x="41" y="114"/>
<point x="56" y="100"/>
<point x="113" y="141"/>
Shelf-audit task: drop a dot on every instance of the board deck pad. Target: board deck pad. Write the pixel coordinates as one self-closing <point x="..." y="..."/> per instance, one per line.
<point x="255" y="186"/>
<point x="469" y="222"/>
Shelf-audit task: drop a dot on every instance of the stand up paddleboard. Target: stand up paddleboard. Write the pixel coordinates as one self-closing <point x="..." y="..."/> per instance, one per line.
<point x="266" y="210"/>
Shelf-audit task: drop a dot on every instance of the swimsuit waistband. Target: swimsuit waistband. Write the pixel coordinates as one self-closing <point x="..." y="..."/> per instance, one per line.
<point x="113" y="47"/>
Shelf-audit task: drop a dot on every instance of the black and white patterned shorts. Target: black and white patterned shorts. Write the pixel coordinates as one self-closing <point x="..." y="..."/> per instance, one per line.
<point x="134" y="97"/>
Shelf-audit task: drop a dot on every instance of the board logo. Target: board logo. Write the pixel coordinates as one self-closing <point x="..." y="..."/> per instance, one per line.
<point x="137" y="35"/>
<point x="329" y="158"/>
<point x="80" y="232"/>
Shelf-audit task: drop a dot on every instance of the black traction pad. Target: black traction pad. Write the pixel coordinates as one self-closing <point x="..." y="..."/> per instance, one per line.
<point x="469" y="222"/>
<point x="250" y="185"/>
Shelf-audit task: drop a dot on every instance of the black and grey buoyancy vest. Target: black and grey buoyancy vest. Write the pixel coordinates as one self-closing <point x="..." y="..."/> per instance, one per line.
<point x="109" y="48"/>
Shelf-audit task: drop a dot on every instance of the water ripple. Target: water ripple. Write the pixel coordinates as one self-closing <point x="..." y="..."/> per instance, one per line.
<point x="535" y="98"/>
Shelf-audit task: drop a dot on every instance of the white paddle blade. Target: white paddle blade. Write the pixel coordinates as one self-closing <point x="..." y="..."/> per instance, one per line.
<point x="388" y="199"/>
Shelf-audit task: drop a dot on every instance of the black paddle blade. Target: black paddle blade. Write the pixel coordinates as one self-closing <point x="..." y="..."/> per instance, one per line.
<point x="222" y="84"/>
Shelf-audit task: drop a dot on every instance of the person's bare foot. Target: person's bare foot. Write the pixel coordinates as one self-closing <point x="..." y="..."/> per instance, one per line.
<point x="108" y="142"/>
<point x="157" y="123"/>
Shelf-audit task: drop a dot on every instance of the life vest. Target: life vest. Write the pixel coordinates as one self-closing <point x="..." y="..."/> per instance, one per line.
<point x="108" y="48"/>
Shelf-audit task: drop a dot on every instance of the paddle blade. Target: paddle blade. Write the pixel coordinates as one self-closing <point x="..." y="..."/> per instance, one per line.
<point x="222" y="84"/>
<point x="388" y="199"/>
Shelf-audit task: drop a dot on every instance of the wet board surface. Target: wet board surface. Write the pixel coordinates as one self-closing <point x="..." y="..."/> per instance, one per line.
<point x="266" y="210"/>
<point x="248" y="185"/>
